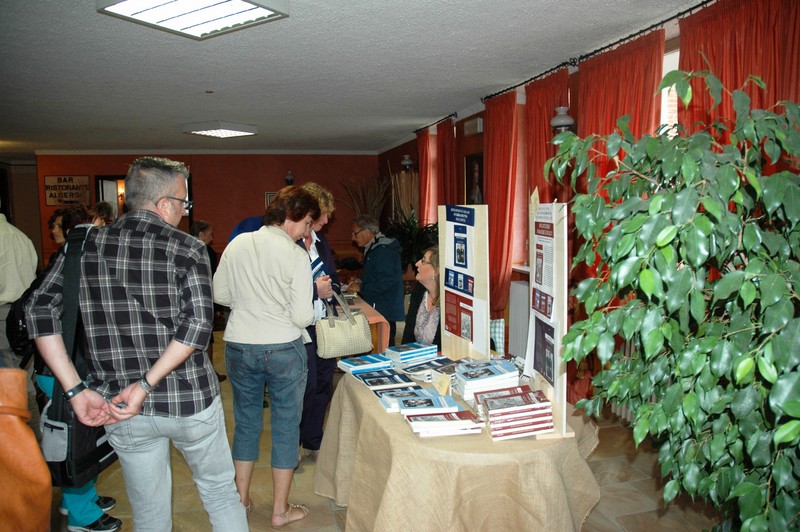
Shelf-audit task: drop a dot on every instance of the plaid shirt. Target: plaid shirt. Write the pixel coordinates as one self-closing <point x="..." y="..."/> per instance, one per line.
<point x="143" y="283"/>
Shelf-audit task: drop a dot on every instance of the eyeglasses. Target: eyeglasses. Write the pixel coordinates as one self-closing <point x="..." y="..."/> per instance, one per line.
<point x="356" y="233"/>
<point x="187" y="205"/>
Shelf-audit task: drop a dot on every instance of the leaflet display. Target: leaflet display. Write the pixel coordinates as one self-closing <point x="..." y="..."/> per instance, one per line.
<point x="464" y="285"/>
<point x="548" y="301"/>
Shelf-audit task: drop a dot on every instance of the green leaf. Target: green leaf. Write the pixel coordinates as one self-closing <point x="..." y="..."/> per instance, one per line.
<point x="773" y="289"/>
<point x="785" y="389"/>
<point x="640" y="430"/>
<point x="691" y="406"/>
<point x="751" y="238"/>
<point x="698" y="305"/>
<point x="613" y="143"/>
<point x="747" y="293"/>
<point x="684" y="90"/>
<point x="787" y="433"/>
<point x="730" y="283"/>
<point x="627" y="271"/>
<point x="778" y="315"/>
<point x="686" y="202"/>
<point x="653" y="343"/>
<point x="670" y="79"/>
<point x="697" y="246"/>
<point x="727" y="182"/>
<point x="792" y="408"/>
<point x="655" y="205"/>
<point x="605" y="347"/>
<point x="666" y="235"/>
<point x="670" y="490"/>
<point x="767" y="370"/>
<point x="712" y="207"/>
<point x="744" y="369"/>
<point x="689" y="168"/>
<point x="647" y="281"/>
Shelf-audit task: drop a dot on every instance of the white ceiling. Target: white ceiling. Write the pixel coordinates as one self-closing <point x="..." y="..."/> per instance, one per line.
<point x="337" y="76"/>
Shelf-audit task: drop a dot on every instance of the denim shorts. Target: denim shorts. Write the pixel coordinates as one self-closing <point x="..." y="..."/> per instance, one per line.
<point x="283" y="368"/>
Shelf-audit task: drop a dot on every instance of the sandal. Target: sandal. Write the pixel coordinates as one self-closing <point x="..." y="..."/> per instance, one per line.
<point x="285" y="518"/>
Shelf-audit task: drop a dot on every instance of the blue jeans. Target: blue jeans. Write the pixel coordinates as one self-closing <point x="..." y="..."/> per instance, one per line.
<point x="283" y="368"/>
<point x="142" y="444"/>
<point x="79" y="502"/>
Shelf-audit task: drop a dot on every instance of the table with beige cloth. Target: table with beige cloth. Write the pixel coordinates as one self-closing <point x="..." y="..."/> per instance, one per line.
<point x="390" y="479"/>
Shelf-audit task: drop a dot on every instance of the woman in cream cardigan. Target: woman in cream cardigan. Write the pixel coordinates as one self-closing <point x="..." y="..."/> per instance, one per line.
<point x="265" y="278"/>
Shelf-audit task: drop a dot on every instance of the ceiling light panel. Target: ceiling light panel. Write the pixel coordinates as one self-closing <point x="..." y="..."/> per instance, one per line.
<point x="197" y="19"/>
<point x="220" y="129"/>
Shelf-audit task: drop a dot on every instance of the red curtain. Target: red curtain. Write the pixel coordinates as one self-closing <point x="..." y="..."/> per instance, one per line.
<point x="427" y="177"/>
<point x="500" y="167"/>
<point x="541" y="99"/>
<point x="739" y="38"/>
<point x="448" y="169"/>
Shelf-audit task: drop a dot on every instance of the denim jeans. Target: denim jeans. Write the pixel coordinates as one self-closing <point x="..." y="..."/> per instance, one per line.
<point x="283" y="368"/>
<point x="142" y="444"/>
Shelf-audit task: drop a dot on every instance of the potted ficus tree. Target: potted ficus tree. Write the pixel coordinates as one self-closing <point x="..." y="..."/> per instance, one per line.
<point x="697" y="253"/>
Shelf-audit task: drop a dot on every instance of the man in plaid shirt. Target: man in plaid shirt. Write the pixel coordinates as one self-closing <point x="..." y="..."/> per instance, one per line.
<point x="146" y="307"/>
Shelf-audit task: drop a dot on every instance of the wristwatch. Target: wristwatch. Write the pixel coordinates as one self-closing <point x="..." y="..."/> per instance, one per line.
<point x="78" y="388"/>
<point x="145" y="385"/>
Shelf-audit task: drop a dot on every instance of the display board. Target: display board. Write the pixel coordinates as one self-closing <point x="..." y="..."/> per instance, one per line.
<point x="548" y="301"/>
<point x="464" y="282"/>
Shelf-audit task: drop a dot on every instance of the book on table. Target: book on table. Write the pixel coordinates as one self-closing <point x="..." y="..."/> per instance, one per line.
<point x="496" y="427"/>
<point x="383" y="379"/>
<point x="480" y="396"/>
<point x="409" y="351"/>
<point x="423" y="370"/>
<point x="449" y="432"/>
<point x="516" y="402"/>
<point x="515" y="418"/>
<point x="462" y="419"/>
<point x="363" y="363"/>
<point x="439" y="404"/>
<point x="389" y="397"/>
<point x="478" y="375"/>
<point x="521" y="433"/>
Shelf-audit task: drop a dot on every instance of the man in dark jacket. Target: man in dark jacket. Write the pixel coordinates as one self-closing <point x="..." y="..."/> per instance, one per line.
<point x="382" y="278"/>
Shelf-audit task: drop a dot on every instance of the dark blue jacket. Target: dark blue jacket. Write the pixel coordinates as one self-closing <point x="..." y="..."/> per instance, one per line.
<point x="382" y="278"/>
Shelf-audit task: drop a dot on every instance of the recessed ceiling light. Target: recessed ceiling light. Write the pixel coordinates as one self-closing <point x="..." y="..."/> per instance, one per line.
<point x="197" y="19"/>
<point x="220" y="129"/>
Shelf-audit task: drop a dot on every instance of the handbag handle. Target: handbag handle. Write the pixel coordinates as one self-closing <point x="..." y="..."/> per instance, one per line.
<point x="348" y="312"/>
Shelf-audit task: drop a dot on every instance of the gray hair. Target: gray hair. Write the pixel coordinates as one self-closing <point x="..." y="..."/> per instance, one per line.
<point x="364" y="221"/>
<point x="151" y="178"/>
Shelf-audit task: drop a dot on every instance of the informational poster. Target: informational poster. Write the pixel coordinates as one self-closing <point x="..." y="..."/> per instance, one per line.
<point x="548" y="300"/>
<point x="464" y="268"/>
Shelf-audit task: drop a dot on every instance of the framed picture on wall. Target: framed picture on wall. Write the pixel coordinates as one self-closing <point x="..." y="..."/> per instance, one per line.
<point x="268" y="197"/>
<point x="473" y="179"/>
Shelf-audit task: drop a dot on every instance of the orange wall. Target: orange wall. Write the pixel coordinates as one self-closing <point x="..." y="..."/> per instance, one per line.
<point x="228" y="187"/>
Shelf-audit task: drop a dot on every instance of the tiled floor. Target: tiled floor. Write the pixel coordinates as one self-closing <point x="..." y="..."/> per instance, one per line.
<point x="631" y="491"/>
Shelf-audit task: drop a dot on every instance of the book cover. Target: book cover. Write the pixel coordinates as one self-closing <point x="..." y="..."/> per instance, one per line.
<point x="383" y="379"/>
<point x="428" y="405"/>
<point x="482" y="395"/>
<point x="516" y="402"/>
<point x="410" y="350"/>
<point x="460" y="419"/>
<point x="449" y="432"/>
<point x="389" y="397"/>
<point x="520" y="417"/>
<point x="363" y="363"/>
<point x="521" y="425"/>
<point x="522" y="433"/>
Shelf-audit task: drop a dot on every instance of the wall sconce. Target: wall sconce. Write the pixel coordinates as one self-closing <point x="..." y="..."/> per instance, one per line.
<point x="562" y="121"/>
<point x="407" y="164"/>
<point x="289" y="178"/>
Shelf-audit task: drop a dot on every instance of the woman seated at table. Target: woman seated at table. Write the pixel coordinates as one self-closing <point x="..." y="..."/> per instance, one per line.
<point x="422" y="320"/>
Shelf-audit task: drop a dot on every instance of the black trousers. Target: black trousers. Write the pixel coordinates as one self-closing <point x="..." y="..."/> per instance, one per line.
<point x="319" y="390"/>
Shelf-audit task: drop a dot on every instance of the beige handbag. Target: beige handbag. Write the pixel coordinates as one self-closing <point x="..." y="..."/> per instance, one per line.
<point x="343" y="335"/>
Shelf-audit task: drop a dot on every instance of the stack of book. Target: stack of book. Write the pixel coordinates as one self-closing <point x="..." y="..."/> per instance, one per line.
<point x="412" y="353"/>
<point x="516" y="412"/>
<point x="424" y="370"/>
<point x="389" y="397"/>
<point x="363" y="363"/>
<point x="383" y="379"/>
<point x="472" y="376"/>
<point x="449" y="424"/>
<point x="433" y="404"/>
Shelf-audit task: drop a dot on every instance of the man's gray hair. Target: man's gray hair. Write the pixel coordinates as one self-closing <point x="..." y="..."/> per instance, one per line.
<point x="151" y="178"/>
<point x="364" y="221"/>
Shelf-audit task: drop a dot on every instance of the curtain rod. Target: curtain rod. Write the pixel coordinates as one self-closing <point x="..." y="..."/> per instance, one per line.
<point x="451" y="115"/>
<point x="574" y="61"/>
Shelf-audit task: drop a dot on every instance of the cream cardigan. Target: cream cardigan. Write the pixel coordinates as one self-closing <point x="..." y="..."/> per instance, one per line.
<point x="265" y="279"/>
